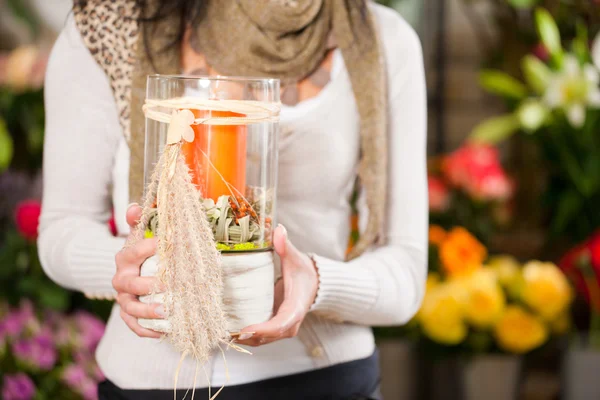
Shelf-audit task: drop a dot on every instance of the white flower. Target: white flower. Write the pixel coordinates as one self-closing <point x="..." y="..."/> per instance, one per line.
<point x="596" y="51"/>
<point x="180" y="127"/>
<point x="573" y="89"/>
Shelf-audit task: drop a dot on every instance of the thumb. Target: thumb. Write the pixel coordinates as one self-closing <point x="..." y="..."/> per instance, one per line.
<point x="280" y="241"/>
<point x="133" y="214"/>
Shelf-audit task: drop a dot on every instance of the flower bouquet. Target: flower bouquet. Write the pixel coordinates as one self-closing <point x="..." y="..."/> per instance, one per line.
<point x="469" y="187"/>
<point x="48" y="355"/>
<point x="558" y="108"/>
<point x="480" y="314"/>
<point x="475" y="304"/>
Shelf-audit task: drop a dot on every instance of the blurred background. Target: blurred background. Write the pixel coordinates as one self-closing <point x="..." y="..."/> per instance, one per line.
<point x="512" y="309"/>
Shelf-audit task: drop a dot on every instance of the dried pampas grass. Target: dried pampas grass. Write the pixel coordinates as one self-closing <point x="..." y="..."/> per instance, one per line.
<point x="189" y="262"/>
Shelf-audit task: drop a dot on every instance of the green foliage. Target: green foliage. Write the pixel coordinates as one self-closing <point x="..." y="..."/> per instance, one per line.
<point x="23" y="12"/>
<point x="537" y="74"/>
<point x="549" y="34"/>
<point x="502" y="84"/>
<point x="21" y="275"/>
<point x="523" y="3"/>
<point x="6" y="147"/>
<point x="541" y="109"/>
<point x="496" y="130"/>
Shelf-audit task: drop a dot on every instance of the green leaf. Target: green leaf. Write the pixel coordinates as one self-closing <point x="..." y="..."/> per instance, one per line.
<point x="568" y="209"/>
<point x="23" y="12"/>
<point x="532" y="115"/>
<point x="549" y="33"/>
<point x="496" y="129"/>
<point x="6" y="147"/>
<point x="580" y="43"/>
<point x="54" y="297"/>
<point x="537" y="74"/>
<point x="502" y="84"/>
<point x="523" y="3"/>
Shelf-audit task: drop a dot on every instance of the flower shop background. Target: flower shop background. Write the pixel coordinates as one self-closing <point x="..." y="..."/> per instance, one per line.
<point x="514" y="134"/>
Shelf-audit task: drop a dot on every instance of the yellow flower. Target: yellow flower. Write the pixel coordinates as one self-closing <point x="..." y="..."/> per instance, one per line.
<point x="546" y="289"/>
<point x="508" y="271"/>
<point x="519" y="332"/>
<point x="437" y="234"/>
<point x="461" y="253"/>
<point x="484" y="300"/>
<point x="441" y="315"/>
<point x="433" y="280"/>
<point x="561" y="324"/>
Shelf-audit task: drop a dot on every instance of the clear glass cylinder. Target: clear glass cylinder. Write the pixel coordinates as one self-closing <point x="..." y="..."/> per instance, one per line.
<point x="233" y="155"/>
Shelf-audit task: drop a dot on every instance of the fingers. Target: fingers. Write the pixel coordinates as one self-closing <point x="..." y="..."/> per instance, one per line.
<point x="280" y="240"/>
<point x="283" y="325"/>
<point x="133" y="214"/>
<point x="132" y="306"/>
<point x="135" y="285"/>
<point x="133" y="324"/>
<point x="138" y="253"/>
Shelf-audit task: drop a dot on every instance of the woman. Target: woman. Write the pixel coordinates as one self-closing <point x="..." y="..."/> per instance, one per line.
<point x="354" y="104"/>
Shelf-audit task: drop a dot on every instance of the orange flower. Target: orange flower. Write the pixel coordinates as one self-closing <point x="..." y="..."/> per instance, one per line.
<point x="437" y="235"/>
<point x="461" y="253"/>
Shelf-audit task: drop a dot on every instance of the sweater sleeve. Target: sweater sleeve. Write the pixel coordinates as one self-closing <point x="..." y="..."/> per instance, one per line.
<point x="76" y="248"/>
<point x="385" y="286"/>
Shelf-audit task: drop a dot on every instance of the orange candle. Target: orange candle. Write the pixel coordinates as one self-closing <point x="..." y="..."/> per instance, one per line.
<point x="223" y="146"/>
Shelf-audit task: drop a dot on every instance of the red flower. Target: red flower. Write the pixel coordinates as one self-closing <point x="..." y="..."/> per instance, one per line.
<point x="541" y="52"/>
<point x="594" y="247"/>
<point x="476" y="169"/>
<point x="439" y="198"/>
<point x="112" y="225"/>
<point x="582" y="265"/>
<point x="27" y="217"/>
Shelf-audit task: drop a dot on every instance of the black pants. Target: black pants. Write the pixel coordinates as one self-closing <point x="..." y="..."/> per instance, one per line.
<point x="355" y="380"/>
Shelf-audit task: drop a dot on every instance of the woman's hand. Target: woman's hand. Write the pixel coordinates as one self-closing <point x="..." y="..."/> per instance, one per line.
<point x="129" y="284"/>
<point x="294" y="295"/>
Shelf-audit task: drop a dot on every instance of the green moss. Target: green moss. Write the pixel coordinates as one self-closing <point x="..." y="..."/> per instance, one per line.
<point x="244" y="246"/>
<point x="223" y="246"/>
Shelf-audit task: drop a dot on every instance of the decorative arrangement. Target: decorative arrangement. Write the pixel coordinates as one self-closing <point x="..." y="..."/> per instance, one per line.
<point x="45" y="354"/>
<point x="478" y="305"/>
<point x="210" y="188"/>
<point x="558" y="107"/>
<point x="469" y="187"/>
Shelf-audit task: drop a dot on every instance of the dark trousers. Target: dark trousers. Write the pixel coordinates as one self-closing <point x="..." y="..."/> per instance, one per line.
<point x="355" y="380"/>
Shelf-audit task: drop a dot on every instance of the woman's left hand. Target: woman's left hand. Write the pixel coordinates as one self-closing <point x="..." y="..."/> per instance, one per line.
<point x="294" y="295"/>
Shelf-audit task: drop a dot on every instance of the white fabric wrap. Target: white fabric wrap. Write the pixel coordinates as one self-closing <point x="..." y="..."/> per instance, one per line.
<point x="248" y="289"/>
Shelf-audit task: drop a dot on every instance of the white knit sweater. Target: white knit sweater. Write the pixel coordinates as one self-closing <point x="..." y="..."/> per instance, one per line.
<point x="86" y="175"/>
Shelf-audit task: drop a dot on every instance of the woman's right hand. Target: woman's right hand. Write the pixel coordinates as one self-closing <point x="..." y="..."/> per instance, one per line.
<point x="129" y="284"/>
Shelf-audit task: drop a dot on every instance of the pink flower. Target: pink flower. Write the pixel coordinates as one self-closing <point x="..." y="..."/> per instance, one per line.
<point x="76" y="378"/>
<point x="38" y="351"/>
<point x="492" y="185"/>
<point x="27" y="217"/>
<point x="17" y="320"/>
<point x="17" y="387"/>
<point x="97" y="373"/>
<point x="439" y="197"/>
<point x="91" y="329"/>
<point x="89" y="391"/>
<point x="476" y="169"/>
